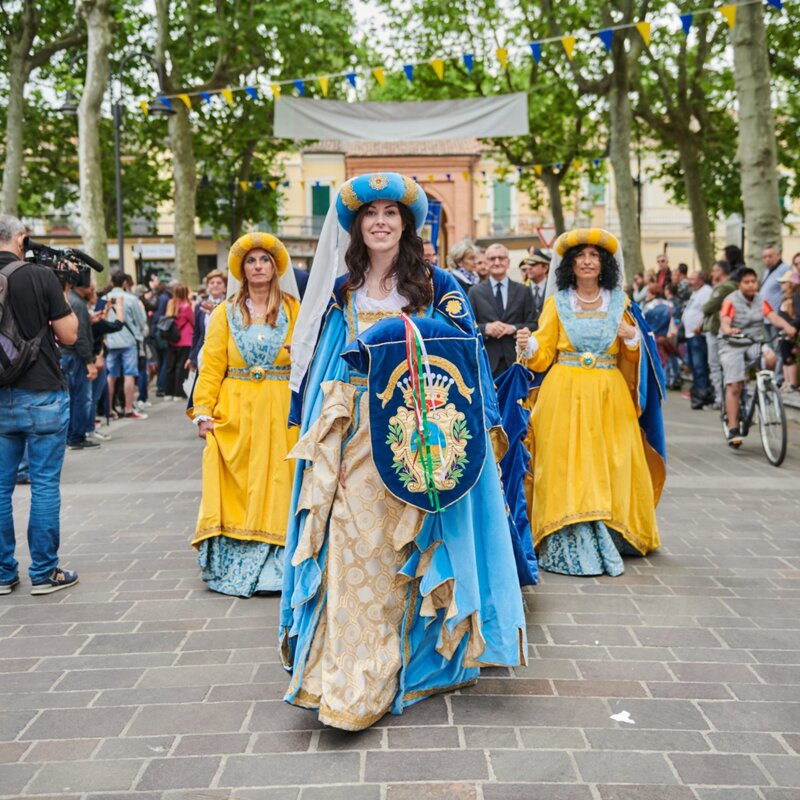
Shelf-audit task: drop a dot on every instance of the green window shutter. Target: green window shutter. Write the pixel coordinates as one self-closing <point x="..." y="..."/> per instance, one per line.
<point x="502" y="204"/>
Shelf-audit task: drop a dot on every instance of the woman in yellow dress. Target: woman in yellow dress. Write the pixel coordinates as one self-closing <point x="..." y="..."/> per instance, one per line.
<point x="597" y="429"/>
<point x="241" y="406"/>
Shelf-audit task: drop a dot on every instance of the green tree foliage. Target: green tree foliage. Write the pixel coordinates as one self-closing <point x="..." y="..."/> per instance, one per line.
<point x="565" y="128"/>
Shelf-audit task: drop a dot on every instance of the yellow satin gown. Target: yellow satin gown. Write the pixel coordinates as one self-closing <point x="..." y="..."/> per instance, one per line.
<point x="247" y="481"/>
<point x="590" y="459"/>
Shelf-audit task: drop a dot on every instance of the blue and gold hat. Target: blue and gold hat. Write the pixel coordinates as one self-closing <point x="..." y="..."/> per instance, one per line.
<point x="365" y="189"/>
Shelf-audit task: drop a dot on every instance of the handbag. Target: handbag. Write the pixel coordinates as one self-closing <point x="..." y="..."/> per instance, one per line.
<point x="167" y="328"/>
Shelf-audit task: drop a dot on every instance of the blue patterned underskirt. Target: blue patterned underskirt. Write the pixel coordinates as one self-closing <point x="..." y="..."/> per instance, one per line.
<point x="586" y="548"/>
<point x="241" y="568"/>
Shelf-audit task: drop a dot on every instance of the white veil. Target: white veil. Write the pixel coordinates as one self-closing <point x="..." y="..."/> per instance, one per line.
<point x="328" y="264"/>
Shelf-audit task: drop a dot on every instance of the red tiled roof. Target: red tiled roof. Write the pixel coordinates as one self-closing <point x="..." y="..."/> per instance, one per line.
<point x="440" y="147"/>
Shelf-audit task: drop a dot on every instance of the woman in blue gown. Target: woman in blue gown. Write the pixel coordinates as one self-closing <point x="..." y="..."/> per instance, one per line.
<point x="400" y="578"/>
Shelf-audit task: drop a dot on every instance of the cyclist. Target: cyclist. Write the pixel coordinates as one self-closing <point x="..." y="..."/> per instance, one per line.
<point x="743" y="313"/>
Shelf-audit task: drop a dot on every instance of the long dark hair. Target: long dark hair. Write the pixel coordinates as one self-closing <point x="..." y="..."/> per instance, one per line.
<point x="609" y="269"/>
<point x="409" y="268"/>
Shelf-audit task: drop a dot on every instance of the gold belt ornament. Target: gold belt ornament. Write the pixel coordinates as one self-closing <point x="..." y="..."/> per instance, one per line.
<point x="586" y="360"/>
<point x="257" y="374"/>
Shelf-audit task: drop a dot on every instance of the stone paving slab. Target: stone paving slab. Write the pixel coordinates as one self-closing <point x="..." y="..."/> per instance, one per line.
<point x="139" y="684"/>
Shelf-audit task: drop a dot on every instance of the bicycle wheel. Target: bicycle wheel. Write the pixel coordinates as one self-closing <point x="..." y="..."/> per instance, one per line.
<point x="772" y="423"/>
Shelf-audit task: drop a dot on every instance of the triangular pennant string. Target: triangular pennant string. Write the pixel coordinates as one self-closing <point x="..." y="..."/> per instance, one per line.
<point x="606" y="36"/>
<point x="351" y="76"/>
<point x="409" y="71"/>
<point x="186" y="100"/>
<point x="502" y="57"/>
<point x="273" y="185"/>
<point x="165" y="100"/>
<point x="323" y="85"/>
<point x="729" y="12"/>
<point x="380" y="75"/>
<point x="276" y="91"/>
<point x="252" y="92"/>
<point x="228" y="95"/>
<point x="244" y="185"/>
<point x="300" y="86"/>
<point x="206" y="96"/>
<point x="644" y="31"/>
<point x="536" y="51"/>
<point x="569" y="45"/>
<point x="537" y="168"/>
<point x="469" y="62"/>
<point x="438" y="68"/>
<point x="776" y="3"/>
<point x="686" y="22"/>
<point x="143" y="104"/>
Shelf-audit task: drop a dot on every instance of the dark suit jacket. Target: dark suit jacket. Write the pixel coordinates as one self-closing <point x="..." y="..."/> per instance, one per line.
<point x="301" y="276"/>
<point x="519" y="312"/>
<point x="537" y="307"/>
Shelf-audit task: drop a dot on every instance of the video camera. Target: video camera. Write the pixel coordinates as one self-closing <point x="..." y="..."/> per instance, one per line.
<point x="59" y="261"/>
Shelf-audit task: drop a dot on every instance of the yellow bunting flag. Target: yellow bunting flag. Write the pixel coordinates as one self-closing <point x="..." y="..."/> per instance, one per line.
<point x="465" y="175"/>
<point x="333" y="183"/>
<point x="276" y="91"/>
<point x="502" y="57"/>
<point x="430" y="179"/>
<point x="729" y="12"/>
<point x="537" y="168"/>
<point x="273" y="185"/>
<point x="438" y="68"/>
<point x="302" y="184"/>
<point x="145" y="107"/>
<point x="186" y="100"/>
<point x="378" y="72"/>
<point x="228" y="95"/>
<point x="323" y="85"/>
<point x="244" y="185"/>
<point x="644" y="30"/>
<point x="569" y="45"/>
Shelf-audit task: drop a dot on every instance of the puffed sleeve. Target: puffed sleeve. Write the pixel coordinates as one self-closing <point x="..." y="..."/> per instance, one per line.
<point x="215" y="364"/>
<point x="546" y="338"/>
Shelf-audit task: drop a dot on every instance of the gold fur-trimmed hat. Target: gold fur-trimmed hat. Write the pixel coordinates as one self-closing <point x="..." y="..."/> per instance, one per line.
<point x="594" y="236"/>
<point x="250" y="241"/>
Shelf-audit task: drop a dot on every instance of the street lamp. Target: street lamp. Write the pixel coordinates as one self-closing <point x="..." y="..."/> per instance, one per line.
<point x="159" y="108"/>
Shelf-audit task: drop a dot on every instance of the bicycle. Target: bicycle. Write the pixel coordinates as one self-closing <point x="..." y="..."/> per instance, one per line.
<point x="766" y="403"/>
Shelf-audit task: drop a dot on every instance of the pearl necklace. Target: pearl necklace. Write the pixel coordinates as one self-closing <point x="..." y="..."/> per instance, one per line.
<point x="586" y="300"/>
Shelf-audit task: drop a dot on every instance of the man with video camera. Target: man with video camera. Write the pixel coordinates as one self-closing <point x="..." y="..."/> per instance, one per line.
<point x="34" y="408"/>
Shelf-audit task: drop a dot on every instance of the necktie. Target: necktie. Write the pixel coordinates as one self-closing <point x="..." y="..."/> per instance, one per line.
<point x="498" y="296"/>
<point x="536" y="295"/>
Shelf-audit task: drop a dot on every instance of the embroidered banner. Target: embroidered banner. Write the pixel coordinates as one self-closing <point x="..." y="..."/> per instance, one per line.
<point x="454" y="424"/>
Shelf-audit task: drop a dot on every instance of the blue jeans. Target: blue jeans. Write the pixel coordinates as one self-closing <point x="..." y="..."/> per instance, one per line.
<point x="96" y="389"/>
<point x="698" y="361"/>
<point x="38" y="420"/>
<point x="79" y="396"/>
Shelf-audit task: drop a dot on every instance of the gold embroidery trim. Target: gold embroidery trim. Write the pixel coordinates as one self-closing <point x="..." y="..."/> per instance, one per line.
<point x="419" y="693"/>
<point x="349" y="196"/>
<point x="242" y="534"/>
<point x="412" y="192"/>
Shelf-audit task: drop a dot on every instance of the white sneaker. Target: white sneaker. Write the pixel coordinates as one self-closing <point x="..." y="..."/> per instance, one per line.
<point x="101" y="437"/>
<point x="168" y="397"/>
<point x="176" y="399"/>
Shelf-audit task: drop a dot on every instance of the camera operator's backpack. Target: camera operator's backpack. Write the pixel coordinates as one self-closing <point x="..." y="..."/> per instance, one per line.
<point x="16" y="352"/>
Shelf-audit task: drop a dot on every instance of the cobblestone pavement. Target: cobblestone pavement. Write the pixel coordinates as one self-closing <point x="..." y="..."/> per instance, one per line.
<point x="139" y="684"/>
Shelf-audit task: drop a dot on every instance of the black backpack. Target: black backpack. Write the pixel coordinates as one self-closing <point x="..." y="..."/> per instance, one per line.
<point x="16" y="353"/>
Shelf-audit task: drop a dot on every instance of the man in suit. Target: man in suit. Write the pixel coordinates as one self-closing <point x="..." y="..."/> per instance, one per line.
<point x="502" y="307"/>
<point x="537" y="265"/>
